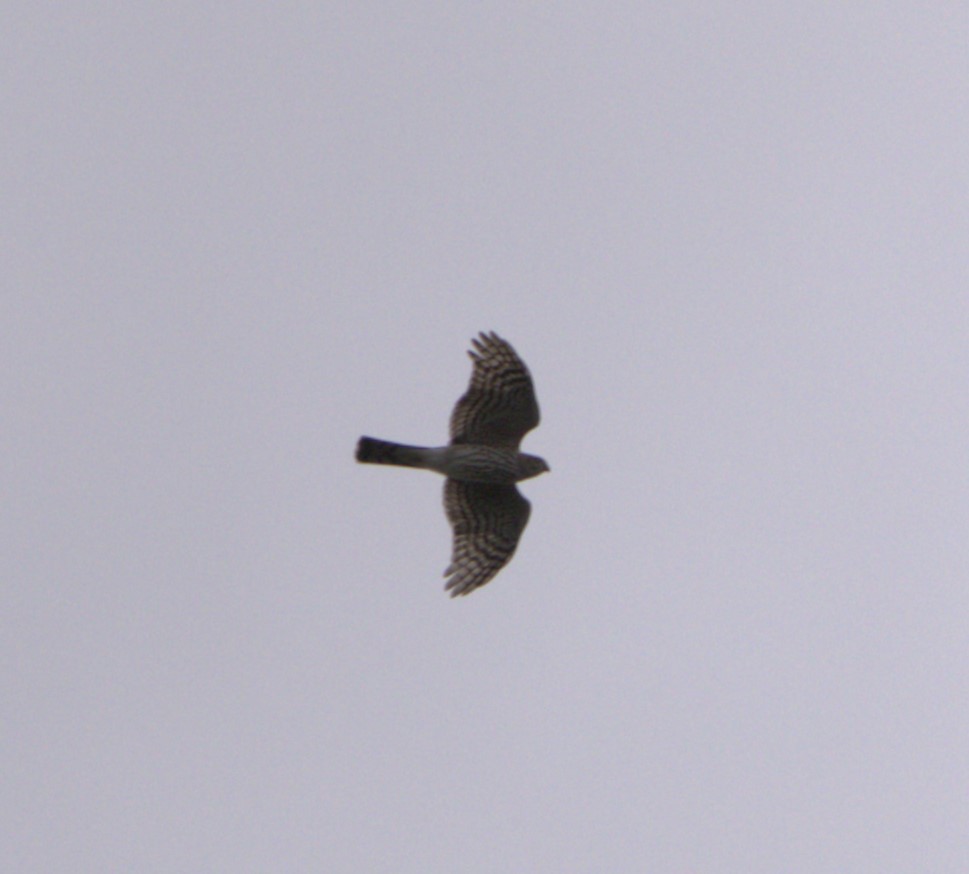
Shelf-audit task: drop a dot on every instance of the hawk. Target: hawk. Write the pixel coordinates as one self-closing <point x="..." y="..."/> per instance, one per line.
<point x="482" y="463"/>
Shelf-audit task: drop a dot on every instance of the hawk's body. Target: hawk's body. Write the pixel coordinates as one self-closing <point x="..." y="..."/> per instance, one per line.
<point x="482" y="463"/>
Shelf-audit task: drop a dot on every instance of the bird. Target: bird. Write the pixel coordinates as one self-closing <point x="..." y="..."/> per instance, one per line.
<point x="482" y="463"/>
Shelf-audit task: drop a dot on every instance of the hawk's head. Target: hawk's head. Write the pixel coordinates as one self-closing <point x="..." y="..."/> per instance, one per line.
<point x="530" y="465"/>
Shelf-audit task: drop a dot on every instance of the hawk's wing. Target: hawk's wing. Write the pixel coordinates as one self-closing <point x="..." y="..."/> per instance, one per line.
<point x="487" y="521"/>
<point x="499" y="406"/>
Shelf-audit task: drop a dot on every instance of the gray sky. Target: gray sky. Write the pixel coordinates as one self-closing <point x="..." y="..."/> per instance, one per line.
<point x="730" y="240"/>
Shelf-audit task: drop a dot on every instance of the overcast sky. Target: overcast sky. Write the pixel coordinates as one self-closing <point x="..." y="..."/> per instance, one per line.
<point x="730" y="241"/>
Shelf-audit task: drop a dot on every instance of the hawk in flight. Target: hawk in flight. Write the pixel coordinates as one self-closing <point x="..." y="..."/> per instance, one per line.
<point x="482" y="463"/>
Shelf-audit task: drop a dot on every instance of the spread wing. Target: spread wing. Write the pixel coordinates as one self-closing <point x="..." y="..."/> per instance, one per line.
<point x="488" y="521"/>
<point x="499" y="407"/>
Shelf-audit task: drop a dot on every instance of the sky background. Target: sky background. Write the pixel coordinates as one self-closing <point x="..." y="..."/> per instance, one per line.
<point x="730" y="241"/>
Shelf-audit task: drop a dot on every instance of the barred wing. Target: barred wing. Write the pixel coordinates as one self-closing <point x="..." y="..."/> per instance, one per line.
<point x="487" y="521"/>
<point x="499" y="407"/>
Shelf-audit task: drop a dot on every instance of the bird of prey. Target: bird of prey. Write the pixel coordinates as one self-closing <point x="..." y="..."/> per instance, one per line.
<point x="482" y="463"/>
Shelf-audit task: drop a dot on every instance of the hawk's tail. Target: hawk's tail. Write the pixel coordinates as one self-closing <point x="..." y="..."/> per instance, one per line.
<point x="373" y="451"/>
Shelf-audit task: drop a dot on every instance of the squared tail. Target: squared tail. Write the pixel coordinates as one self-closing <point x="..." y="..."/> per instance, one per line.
<point x="373" y="451"/>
